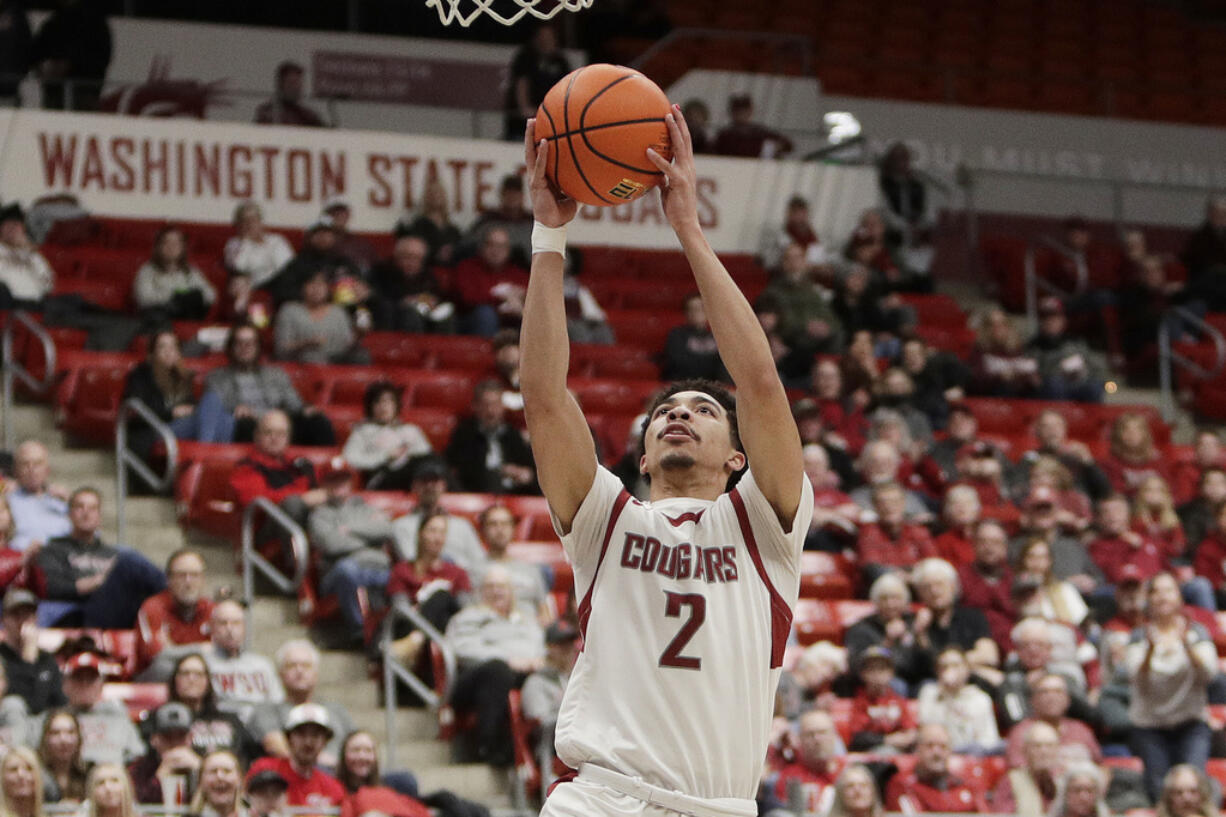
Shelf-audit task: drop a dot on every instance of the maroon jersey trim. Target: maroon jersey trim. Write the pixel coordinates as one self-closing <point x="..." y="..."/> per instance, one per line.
<point x="781" y="613"/>
<point x="585" y="607"/>
<point x="689" y="516"/>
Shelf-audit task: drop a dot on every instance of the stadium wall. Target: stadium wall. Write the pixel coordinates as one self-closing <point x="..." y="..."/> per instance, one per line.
<point x="181" y="169"/>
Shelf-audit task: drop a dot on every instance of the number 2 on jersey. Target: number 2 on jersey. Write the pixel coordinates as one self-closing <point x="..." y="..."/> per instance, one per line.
<point x="672" y="657"/>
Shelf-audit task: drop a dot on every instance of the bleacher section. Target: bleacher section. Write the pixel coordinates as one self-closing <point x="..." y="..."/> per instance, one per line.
<point x="1137" y="59"/>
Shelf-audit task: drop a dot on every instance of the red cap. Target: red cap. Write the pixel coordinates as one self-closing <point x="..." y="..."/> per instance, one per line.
<point x="84" y="660"/>
<point x="335" y="469"/>
<point x="1131" y="574"/>
<point x="1050" y="306"/>
<point x="1041" y="495"/>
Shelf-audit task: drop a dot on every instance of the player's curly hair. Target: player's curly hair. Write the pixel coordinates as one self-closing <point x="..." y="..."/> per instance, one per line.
<point x="717" y="392"/>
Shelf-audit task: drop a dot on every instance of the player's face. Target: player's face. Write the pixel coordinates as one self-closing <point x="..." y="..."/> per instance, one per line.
<point x="688" y="430"/>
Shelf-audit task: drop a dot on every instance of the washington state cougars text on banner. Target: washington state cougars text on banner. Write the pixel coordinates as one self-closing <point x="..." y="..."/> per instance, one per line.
<point x="197" y="171"/>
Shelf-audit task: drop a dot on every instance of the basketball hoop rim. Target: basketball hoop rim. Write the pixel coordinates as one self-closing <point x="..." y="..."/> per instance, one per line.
<point x="449" y="10"/>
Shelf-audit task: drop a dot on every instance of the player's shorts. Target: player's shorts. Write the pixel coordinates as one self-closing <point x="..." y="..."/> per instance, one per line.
<point x="598" y="792"/>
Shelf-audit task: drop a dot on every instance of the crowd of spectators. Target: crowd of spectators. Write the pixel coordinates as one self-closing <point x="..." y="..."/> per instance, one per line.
<point x="1053" y="606"/>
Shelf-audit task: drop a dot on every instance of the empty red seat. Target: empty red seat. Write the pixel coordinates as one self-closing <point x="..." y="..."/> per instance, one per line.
<point x="444" y="390"/>
<point x="90" y="409"/>
<point x="814" y="621"/>
<point x="825" y="576"/>
<point x="609" y="396"/>
<point x="396" y="349"/>
<point x="546" y="554"/>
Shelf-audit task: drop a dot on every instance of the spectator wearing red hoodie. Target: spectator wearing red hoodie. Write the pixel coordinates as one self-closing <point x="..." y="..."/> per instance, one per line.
<point x="489" y="287"/>
<point x="1133" y="456"/>
<point x="880" y="719"/>
<point x="891" y="542"/>
<point x="1118" y="545"/>
<point x="809" y="779"/>
<point x="268" y="472"/>
<point x="1186" y="474"/>
<point x="835" y="515"/>
<point x="961" y="512"/>
<point x="987" y="581"/>
<point x="841" y="413"/>
<point x="931" y="787"/>
<point x="1210" y="562"/>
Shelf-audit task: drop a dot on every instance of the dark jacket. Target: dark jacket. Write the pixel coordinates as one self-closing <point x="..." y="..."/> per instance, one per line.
<point x="466" y="454"/>
<point x="65" y="560"/>
<point x="40" y="684"/>
<point x="142" y="385"/>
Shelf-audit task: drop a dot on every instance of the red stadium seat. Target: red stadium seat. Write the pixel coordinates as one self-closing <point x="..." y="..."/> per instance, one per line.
<point x="397" y="349"/>
<point x="814" y="621"/>
<point x="441" y="390"/>
<point x="825" y="576"/>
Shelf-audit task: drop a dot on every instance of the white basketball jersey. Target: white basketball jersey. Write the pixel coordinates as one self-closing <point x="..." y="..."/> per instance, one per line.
<point x="685" y="607"/>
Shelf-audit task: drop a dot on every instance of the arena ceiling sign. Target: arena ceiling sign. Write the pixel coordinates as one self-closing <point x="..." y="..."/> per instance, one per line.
<point x="197" y="171"/>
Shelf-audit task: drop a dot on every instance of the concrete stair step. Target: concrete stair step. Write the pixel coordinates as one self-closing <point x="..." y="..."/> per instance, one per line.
<point x="34" y="421"/>
<point x="350" y="667"/>
<point x="415" y="724"/>
<point x="472" y="780"/>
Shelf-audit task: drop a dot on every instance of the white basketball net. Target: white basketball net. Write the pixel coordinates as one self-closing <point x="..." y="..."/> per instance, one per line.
<point x="449" y="11"/>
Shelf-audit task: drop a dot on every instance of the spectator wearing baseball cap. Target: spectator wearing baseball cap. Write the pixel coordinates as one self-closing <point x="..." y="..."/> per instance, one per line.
<point x="352" y="539"/>
<point x="542" y="692"/>
<point x="307" y="730"/>
<point x="266" y="794"/>
<point x="881" y="720"/>
<point x="168" y="771"/>
<point x="32" y="673"/>
<point x="112" y="736"/>
<point x="463" y="546"/>
<point x="1069" y="369"/>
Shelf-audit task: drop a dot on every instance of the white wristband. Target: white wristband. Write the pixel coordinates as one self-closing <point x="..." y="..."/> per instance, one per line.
<point x="548" y="239"/>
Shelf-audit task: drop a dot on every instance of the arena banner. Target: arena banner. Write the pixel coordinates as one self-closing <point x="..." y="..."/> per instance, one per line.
<point x="191" y="170"/>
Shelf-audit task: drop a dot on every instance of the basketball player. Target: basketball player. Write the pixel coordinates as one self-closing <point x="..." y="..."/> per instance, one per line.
<point x="686" y="600"/>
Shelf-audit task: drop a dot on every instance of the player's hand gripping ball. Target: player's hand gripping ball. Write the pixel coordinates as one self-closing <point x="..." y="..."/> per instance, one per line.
<point x="599" y="122"/>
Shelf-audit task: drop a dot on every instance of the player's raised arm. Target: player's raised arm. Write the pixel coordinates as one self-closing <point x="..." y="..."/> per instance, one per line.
<point x="561" y="441"/>
<point x="767" y="430"/>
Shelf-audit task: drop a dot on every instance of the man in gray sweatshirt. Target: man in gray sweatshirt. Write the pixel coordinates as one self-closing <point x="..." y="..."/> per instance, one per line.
<point x="89" y="583"/>
<point x="352" y="539"/>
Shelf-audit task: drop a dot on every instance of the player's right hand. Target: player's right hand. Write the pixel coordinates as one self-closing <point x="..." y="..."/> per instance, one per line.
<point x="550" y="206"/>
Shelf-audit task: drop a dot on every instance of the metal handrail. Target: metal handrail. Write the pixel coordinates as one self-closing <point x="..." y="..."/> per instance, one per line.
<point x="1035" y="282"/>
<point x="1168" y="357"/>
<point x="127" y="458"/>
<point x="12" y="369"/>
<point x="253" y="560"/>
<point x="393" y="671"/>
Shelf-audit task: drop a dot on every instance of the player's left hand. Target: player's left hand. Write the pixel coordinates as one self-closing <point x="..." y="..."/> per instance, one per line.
<point x="549" y="205"/>
<point x="678" y="193"/>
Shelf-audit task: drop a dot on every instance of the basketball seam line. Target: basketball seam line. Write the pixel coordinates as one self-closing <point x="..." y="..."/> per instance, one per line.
<point x="570" y="140"/>
<point x="604" y="125"/>
<point x="588" y="143"/>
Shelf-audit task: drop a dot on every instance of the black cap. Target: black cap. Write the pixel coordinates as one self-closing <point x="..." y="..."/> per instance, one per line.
<point x="172" y="717"/>
<point x="17" y="598"/>
<point x="560" y="632"/>
<point x="265" y="778"/>
<point x="12" y="212"/>
<point x="432" y="468"/>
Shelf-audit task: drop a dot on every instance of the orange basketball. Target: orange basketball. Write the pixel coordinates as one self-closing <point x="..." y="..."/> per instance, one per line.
<point x="599" y="121"/>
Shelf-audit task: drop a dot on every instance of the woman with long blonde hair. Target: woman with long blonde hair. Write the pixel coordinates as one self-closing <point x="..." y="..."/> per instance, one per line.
<point x="1153" y="515"/>
<point x="108" y="793"/>
<point x="855" y="794"/>
<point x="221" y="780"/>
<point x="21" y="784"/>
<point x="1132" y="456"/>
<point x="1051" y="598"/>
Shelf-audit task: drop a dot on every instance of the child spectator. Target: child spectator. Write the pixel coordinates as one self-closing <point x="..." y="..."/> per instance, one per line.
<point x="964" y="709"/>
<point x="880" y="719"/>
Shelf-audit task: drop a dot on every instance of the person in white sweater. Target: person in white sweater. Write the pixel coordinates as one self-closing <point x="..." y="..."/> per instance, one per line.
<point x="23" y="270"/>
<point x="168" y="282"/>
<point x="382" y="447"/>
<point x="254" y="251"/>
<point x="964" y="709"/>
